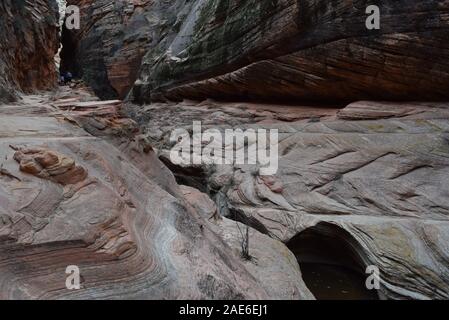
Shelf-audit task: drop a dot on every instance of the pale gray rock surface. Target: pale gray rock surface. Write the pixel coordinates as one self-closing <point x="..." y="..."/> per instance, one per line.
<point x="382" y="180"/>
<point x="270" y="259"/>
<point x="105" y="203"/>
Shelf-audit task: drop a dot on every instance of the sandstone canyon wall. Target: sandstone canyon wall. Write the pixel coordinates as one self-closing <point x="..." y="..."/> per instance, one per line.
<point x="90" y="183"/>
<point x="107" y="51"/>
<point x="79" y="187"/>
<point x="285" y="49"/>
<point x="307" y="50"/>
<point x="28" y="43"/>
<point x="374" y="173"/>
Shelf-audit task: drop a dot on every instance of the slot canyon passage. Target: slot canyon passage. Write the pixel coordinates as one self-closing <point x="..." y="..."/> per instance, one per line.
<point x="86" y="176"/>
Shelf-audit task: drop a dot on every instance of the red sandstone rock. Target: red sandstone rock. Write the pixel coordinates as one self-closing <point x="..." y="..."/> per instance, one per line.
<point x="121" y="223"/>
<point x="28" y="44"/>
<point x="51" y="165"/>
<point x="108" y="49"/>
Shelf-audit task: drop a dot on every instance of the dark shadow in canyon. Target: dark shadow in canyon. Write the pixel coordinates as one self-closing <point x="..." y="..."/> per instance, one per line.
<point x="331" y="263"/>
<point x="68" y="54"/>
<point x="96" y="75"/>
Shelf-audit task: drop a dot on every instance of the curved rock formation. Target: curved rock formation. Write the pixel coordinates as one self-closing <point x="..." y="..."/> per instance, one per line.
<point x="91" y="184"/>
<point x="301" y="50"/>
<point x="382" y="181"/>
<point x="104" y="202"/>
<point x="330" y="251"/>
<point x="261" y="50"/>
<point x="47" y="164"/>
<point x="28" y="43"/>
<point x="269" y="259"/>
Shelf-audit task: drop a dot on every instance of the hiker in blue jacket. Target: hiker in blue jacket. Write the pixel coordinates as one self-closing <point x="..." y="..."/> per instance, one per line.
<point x="65" y="77"/>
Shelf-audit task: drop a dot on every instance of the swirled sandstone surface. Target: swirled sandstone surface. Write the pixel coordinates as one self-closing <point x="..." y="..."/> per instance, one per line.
<point x="371" y="176"/>
<point x="78" y="187"/>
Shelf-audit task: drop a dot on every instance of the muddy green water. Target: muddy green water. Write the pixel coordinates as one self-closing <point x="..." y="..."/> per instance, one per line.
<point x="334" y="282"/>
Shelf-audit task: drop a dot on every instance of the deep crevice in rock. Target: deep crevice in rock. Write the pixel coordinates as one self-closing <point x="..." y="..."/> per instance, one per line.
<point x="61" y="7"/>
<point x="86" y="65"/>
<point x="68" y="54"/>
<point x="239" y="216"/>
<point x="197" y="177"/>
<point x="332" y="263"/>
<point x="194" y="177"/>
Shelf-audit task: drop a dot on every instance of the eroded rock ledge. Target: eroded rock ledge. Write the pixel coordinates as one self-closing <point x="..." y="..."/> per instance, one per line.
<point x="262" y="50"/>
<point x="301" y="50"/>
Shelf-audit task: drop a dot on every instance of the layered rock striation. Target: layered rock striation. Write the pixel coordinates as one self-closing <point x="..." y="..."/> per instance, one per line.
<point x="28" y="43"/>
<point x="372" y="173"/>
<point x="301" y="50"/>
<point x="261" y="50"/>
<point x="79" y="187"/>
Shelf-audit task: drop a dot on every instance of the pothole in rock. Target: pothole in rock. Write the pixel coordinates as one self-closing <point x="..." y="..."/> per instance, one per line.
<point x="331" y="263"/>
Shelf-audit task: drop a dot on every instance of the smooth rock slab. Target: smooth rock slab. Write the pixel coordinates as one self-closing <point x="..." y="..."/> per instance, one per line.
<point x="381" y="180"/>
<point x="125" y="222"/>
